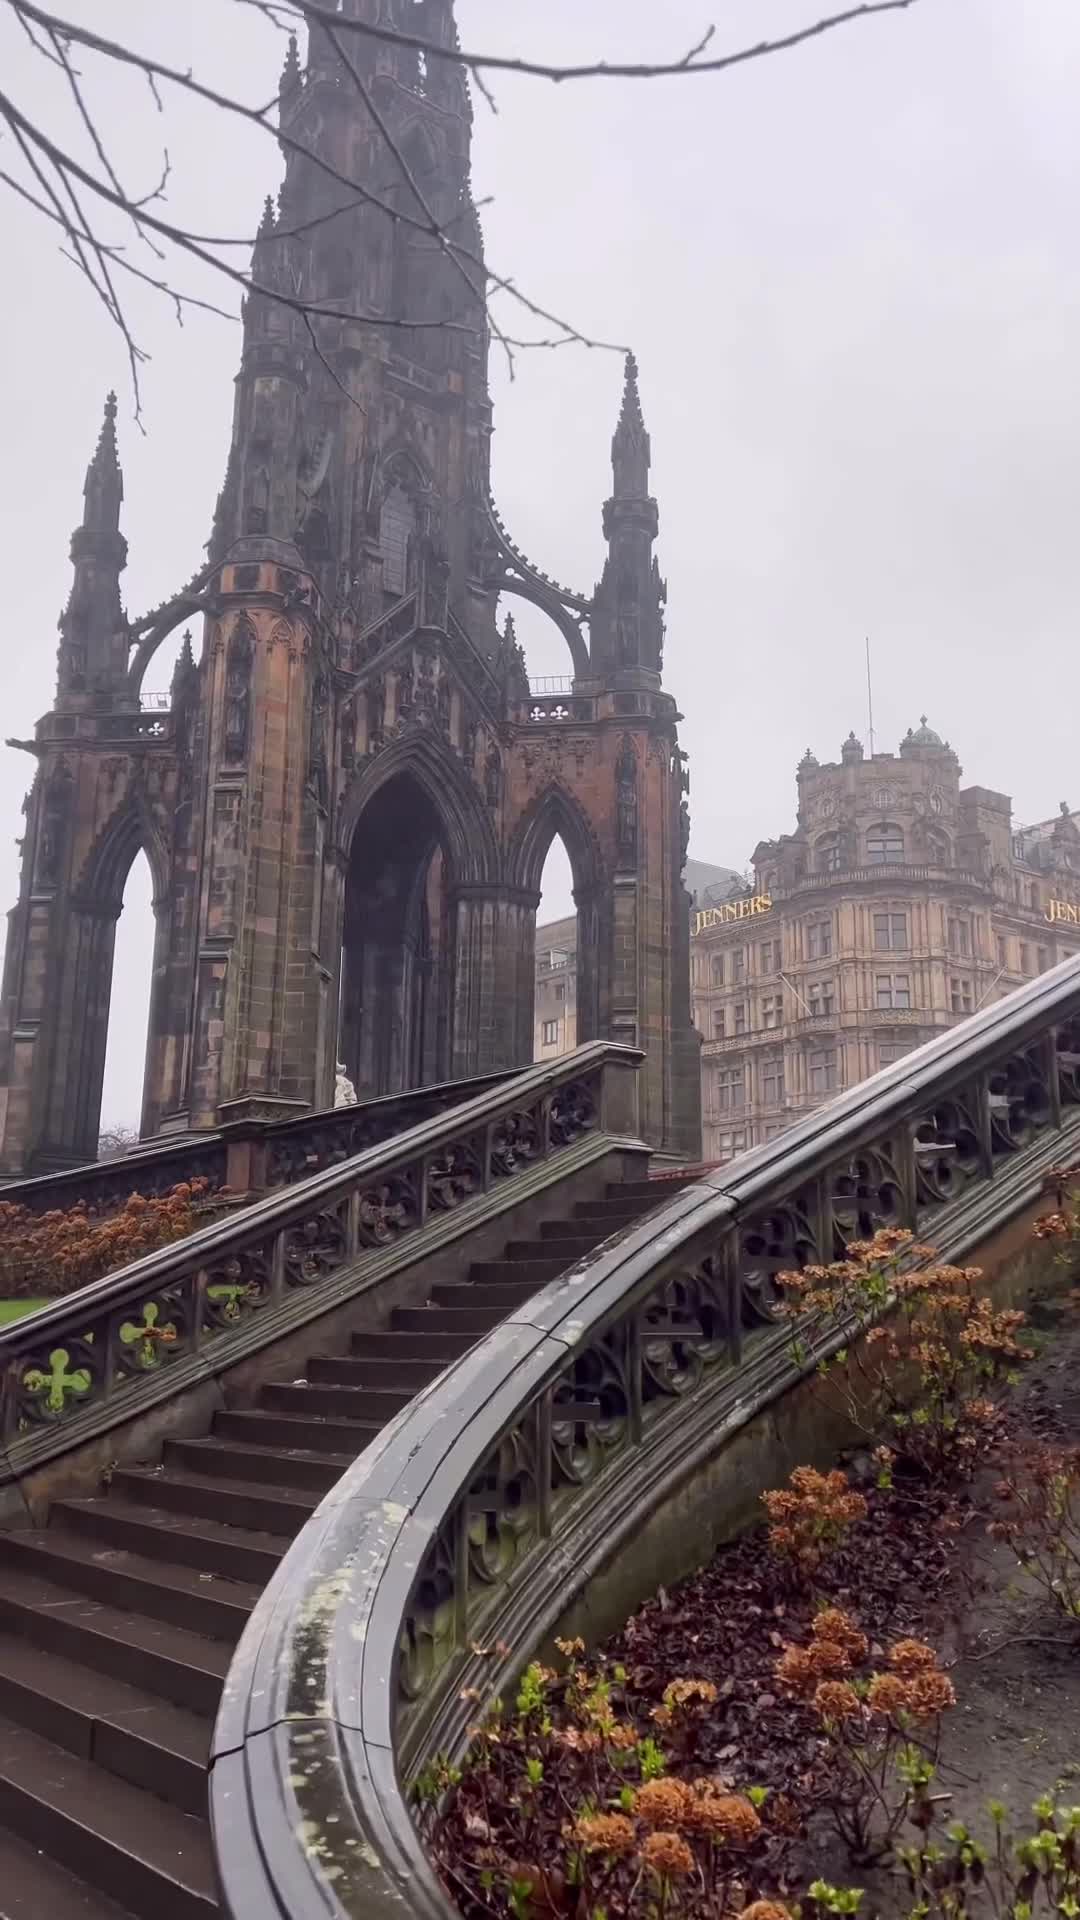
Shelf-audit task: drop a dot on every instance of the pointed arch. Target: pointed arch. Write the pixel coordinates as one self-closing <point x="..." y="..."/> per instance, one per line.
<point x="555" y="811"/>
<point x="86" y="967"/>
<point x="130" y="830"/>
<point x="432" y="763"/>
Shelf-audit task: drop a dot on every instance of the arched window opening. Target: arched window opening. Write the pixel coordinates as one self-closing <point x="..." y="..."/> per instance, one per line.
<point x="128" y="1013"/>
<point x="547" y="657"/>
<point x="885" y="845"/>
<point x="156" y="690"/>
<point x="555" y="1007"/>
<point x="937" y="846"/>
<point x="828" y="854"/>
<point x="397" y="535"/>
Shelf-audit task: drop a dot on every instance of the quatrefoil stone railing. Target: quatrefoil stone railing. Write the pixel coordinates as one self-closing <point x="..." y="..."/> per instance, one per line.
<point x="108" y="1353"/>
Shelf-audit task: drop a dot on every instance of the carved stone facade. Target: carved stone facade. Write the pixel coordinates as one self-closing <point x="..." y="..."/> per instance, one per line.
<point x="349" y="799"/>
<point x="902" y="903"/>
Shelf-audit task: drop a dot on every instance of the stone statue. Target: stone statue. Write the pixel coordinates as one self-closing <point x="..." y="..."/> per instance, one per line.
<point x="493" y="776"/>
<point x="344" y="1091"/>
<point x="684" y="834"/>
<point x="626" y="797"/>
<point x="237" y="695"/>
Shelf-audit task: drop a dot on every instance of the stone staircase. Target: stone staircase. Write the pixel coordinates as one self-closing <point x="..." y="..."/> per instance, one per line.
<point x="118" y="1620"/>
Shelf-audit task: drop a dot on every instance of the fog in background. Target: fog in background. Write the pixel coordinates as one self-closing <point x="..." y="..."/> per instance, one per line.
<point x="851" y="275"/>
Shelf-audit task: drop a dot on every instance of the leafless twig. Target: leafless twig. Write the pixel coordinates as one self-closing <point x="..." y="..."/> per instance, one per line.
<point x="71" y="194"/>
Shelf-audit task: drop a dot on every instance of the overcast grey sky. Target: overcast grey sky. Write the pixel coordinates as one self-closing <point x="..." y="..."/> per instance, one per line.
<point x="851" y="274"/>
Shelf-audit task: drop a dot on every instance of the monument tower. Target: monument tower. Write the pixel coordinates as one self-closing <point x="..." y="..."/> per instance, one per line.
<point x="349" y="794"/>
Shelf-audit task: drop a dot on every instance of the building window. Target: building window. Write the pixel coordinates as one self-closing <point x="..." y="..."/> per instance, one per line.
<point x="549" y="1033"/>
<point x="819" y="939"/>
<point x="772" y="1083"/>
<point x="1003" y="954"/>
<point x="729" y="1144"/>
<point x="770" y="956"/>
<point x="889" y="1051"/>
<point x="962" y="999"/>
<point x="937" y="847"/>
<point x="718" y="969"/>
<point x="772" y="1010"/>
<point x="828" y="855"/>
<point x="741" y="1022"/>
<point x="820" y="995"/>
<point x="885" y="845"/>
<point x="557" y="958"/>
<point x="738" y="965"/>
<point x="730" y="1089"/>
<point x="560" y="991"/>
<point x="1025" y="957"/>
<point x="893" y="990"/>
<point x="823" y="1070"/>
<point x="1044" y="960"/>
<point x="397" y="530"/>
<point x="891" y="932"/>
<point x="719" y="1024"/>
<point x="960" y="938"/>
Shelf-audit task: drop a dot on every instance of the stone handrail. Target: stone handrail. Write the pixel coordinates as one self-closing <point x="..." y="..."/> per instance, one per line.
<point x="109" y="1352"/>
<point x="245" y="1155"/>
<point x="451" y="1549"/>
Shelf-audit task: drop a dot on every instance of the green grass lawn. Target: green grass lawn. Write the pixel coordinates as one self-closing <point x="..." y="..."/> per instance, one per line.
<point x="14" y="1309"/>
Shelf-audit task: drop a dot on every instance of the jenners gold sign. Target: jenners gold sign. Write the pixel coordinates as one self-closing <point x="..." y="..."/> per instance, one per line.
<point x="1061" y="910"/>
<point x="732" y="910"/>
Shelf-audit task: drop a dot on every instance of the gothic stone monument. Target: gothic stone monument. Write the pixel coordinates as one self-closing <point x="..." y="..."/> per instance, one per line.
<point x="348" y="797"/>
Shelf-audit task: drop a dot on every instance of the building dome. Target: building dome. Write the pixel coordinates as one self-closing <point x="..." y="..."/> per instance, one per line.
<point x="923" y="737"/>
<point x="809" y="762"/>
<point x="852" y="749"/>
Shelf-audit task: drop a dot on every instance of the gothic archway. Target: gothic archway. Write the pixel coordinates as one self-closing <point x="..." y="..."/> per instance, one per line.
<point x="556" y="814"/>
<point x="98" y="897"/>
<point x="396" y="962"/>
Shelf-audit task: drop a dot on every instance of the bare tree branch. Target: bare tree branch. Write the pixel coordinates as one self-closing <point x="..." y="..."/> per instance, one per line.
<point x="289" y="11"/>
<point x="262" y="117"/>
<point x="70" y="193"/>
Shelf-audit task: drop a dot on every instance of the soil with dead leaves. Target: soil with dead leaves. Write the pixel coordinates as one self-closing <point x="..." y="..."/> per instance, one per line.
<point x="920" y="1564"/>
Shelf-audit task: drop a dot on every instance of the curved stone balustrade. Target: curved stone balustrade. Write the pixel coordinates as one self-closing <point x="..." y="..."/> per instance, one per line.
<point x="175" y="1317"/>
<point x="455" y="1544"/>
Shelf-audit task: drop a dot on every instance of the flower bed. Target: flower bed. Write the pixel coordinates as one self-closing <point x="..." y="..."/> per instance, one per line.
<point x="814" y="1708"/>
<point x="47" y="1255"/>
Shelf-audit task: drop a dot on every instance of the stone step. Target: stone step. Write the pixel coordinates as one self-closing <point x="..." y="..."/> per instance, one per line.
<point x="132" y="1734"/>
<point x="339" y="1437"/>
<point x="231" y="1552"/>
<point x="352" y="1371"/>
<point x="464" y="1321"/>
<point x="316" y="1399"/>
<point x="394" y="1344"/>
<point x="496" y="1299"/>
<point x="280" y="1511"/>
<point x="32" y="1885"/>
<point x="200" y="1602"/>
<point x="146" y="1653"/>
<point x="532" y="1273"/>
<point x="126" y="1843"/>
<point x="566" y="1250"/>
<point x="291" y="1468"/>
